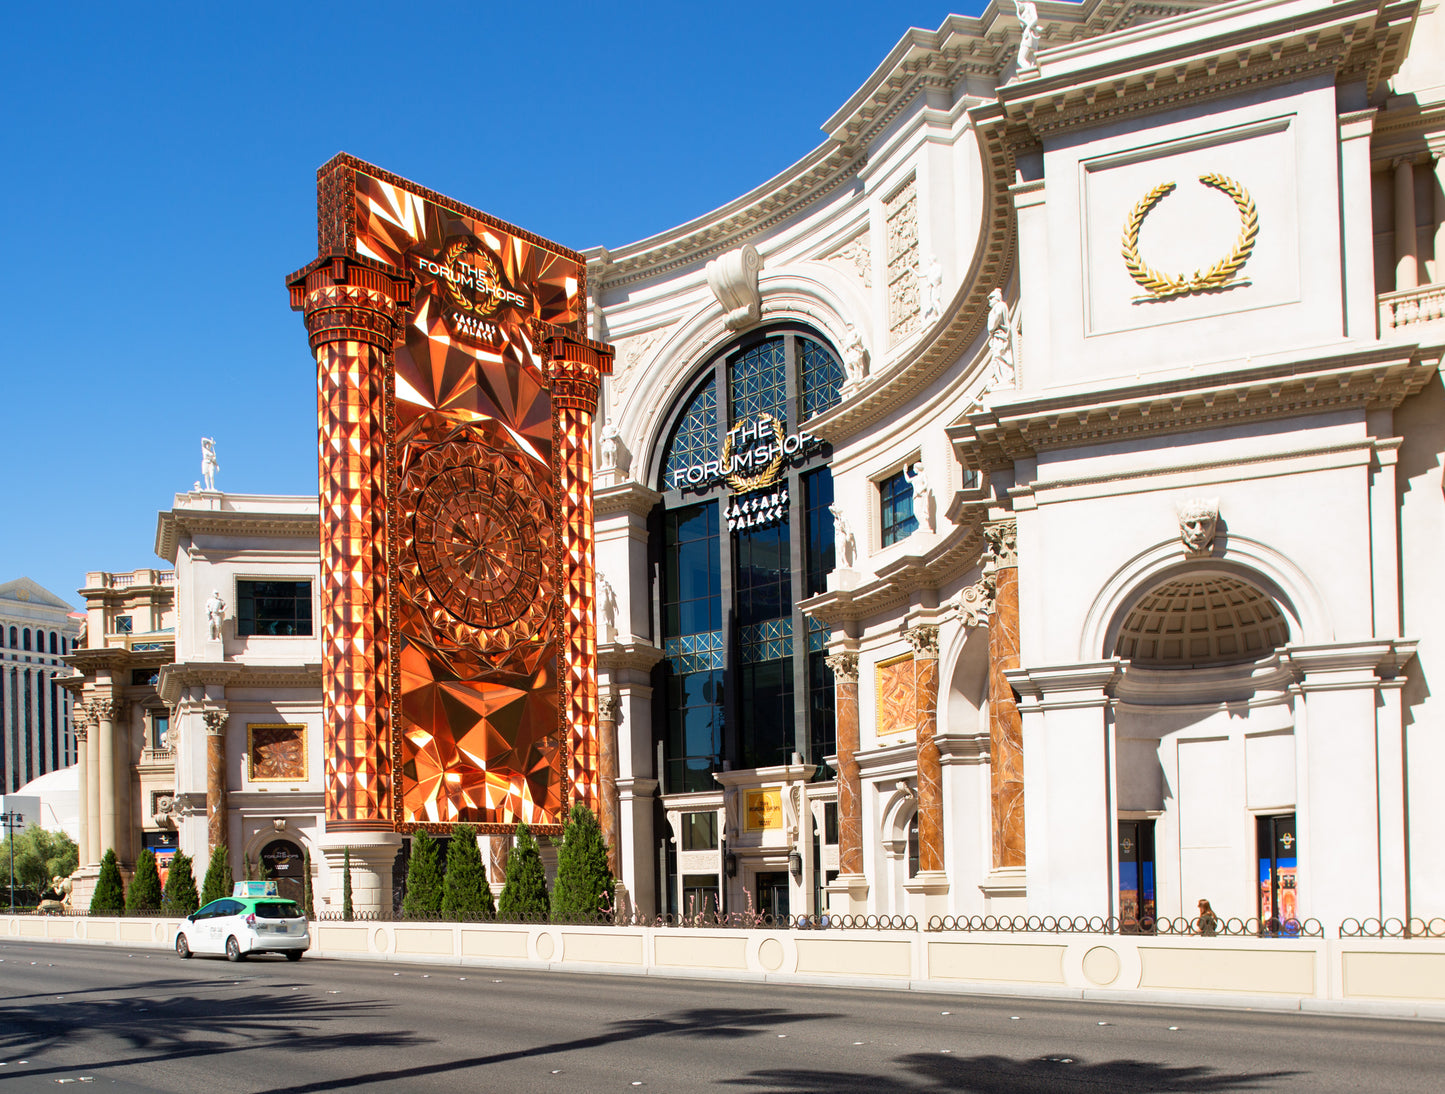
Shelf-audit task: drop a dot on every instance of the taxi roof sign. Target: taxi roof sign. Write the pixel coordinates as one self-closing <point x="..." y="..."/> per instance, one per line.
<point x="254" y="888"/>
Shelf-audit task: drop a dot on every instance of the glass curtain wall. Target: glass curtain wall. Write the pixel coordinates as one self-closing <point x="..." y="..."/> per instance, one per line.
<point x="744" y="677"/>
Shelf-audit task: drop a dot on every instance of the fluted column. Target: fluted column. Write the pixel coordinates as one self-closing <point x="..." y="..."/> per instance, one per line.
<point x="1005" y="725"/>
<point x="1407" y="267"/>
<point x="91" y="789"/>
<point x="924" y="639"/>
<point x="353" y="312"/>
<point x="105" y="711"/>
<point x="1439" y="202"/>
<point x="609" y="708"/>
<point x="81" y="729"/>
<point x="215" y="778"/>
<point x="850" y="811"/>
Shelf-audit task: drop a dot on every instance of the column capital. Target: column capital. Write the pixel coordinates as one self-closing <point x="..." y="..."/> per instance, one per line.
<point x="103" y="709"/>
<point x="216" y="722"/>
<point x="924" y="640"/>
<point x="609" y="708"/>
<point x="844" y="666"/>
<point x="346" y="298"/>
<point x="1002" y="537"/>
<point x="575" y="365"/>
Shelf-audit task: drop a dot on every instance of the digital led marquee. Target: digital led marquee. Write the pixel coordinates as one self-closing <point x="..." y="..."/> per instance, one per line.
<point x="461" y="648"/>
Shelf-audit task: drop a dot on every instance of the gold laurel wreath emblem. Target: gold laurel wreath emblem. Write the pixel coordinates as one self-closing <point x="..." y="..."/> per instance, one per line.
<point x="486" y="275"/>
<point x="1161" y="286"/>
<point x="742" y="484"/>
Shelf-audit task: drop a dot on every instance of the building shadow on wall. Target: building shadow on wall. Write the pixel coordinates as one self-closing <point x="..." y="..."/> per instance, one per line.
<point x="1062" y="1074"/>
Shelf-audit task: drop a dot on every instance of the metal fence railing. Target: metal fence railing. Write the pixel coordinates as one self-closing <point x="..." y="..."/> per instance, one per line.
<point x="1393" y="928"/>
<point x="1199" y="927"/>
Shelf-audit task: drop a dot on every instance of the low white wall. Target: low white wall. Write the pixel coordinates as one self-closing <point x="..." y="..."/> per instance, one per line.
<point x="1387" y="976"/>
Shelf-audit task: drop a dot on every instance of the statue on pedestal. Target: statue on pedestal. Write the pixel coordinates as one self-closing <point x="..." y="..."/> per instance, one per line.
<point x="1029" y="21"/>
<point x="215" y="613"/>
<point x="922" y="495"/>
<point x="209" y="466"/>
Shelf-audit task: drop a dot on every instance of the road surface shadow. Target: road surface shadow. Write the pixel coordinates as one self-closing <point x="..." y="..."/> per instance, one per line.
<point x="1060" y="1074"/>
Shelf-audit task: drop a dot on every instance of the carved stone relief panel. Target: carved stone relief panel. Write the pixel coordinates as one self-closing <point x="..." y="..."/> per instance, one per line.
<point x="901" y="217"/>
<point x="631" y="353"/>
<point x="855" y="259"/>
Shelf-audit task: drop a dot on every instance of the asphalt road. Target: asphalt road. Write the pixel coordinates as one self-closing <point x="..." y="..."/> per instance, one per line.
<point x="146" y="1021"/>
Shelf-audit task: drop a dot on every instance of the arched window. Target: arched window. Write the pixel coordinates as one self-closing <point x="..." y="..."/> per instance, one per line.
<point x="52" y="642"/>
<point x="25" y="637"/>
<point x="744" y="533"/>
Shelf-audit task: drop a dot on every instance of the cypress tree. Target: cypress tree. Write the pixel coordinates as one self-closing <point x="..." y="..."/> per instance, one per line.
<point x="423" y="879"/>
<point x="524" y="897"/>
<point x="180" y="897"/>
<point x="465" y="892"/>
<point x="145" y="887"/>
<point x="218" y="881"/>
<point x="583" y="879"/>
<point x="346" y="911"/>
<point x="109" y="895"/>
<point x="307" y="899"/>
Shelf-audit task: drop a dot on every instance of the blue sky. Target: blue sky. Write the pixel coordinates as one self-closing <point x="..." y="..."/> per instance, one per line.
<point x="159" y="165"/>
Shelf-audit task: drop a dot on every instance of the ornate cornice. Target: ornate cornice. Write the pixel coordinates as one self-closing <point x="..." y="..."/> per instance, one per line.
<point x="171" y="525"/>
<point x="1384" y="377"/>
<point x="631" y="498"/>
<point x="175" y="679"/>
<point x="618" y="656"/>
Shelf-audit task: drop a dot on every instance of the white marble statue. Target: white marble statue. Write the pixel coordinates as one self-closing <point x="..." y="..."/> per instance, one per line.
<point x="209" y="466"/>
<point x="855" y="359"/>
<point x="922" y="495"/>
<point x="609" y="446"/>
<point x="1029" y="22"/>
<point x="607" y="598"/>
<point x="1000" y="343"/>
<point x="843" y="539"/>
<point x="215" y="613"/>
<point x="1198" y="519"/>
<point x="932" y="290"/>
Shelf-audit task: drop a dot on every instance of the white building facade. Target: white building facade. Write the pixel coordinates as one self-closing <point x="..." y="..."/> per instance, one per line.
<point x="1028" y="503"/>
<point x="37" y="628"/>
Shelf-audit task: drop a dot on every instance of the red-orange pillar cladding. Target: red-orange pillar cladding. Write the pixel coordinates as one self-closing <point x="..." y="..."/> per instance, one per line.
<point x="1005" y="725"/>
<point x="576" y="367"/>
<point x="850" y="813"/>
<point x="930" y="764"/>
<point x="353" y="312"/>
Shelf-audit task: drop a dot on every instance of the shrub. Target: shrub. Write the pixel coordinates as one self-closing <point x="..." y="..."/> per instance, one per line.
<point x="346" y="910"/>
<point x="219" y="881"/>
<point x="465" y="892"/>
<point x="308" y="899"/>
<point x="180" y="897"/>
<point x="423" y="879"/>
<point x="584" y="882"/>
<point x="524" y="897"/>
<point x="109" y="895"/>
<point x="145" y="887"/>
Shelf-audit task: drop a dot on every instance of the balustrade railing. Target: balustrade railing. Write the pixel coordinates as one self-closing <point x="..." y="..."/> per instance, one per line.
<point x="1410" y="307"/>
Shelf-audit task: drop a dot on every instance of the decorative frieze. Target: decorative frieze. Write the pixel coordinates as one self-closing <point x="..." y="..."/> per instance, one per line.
<point x="901" y="218"/>
<point x="855" y="259"/>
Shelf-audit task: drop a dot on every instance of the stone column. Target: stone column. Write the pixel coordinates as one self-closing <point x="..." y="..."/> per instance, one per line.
<point x="924" y="639"/>
<point x="80" y="728"/>
<point x="91" y="789"/>
<point x="353" y="311"/>
<point x="215" y="778"/>
<point x="609" y="708"/>
<point x="1406" y="265"/>
<point x="1005" y="726"/>
<point x="1439" y="200"/>
<point x="497" y="859"/>
<point x="105" y="711"/>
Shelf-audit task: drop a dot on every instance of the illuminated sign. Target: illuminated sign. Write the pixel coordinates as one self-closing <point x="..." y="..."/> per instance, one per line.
<point x="753" y="455"/>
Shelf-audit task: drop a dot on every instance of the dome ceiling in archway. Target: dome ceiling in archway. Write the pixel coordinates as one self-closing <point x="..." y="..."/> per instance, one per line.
<point x="1201" y="619"/>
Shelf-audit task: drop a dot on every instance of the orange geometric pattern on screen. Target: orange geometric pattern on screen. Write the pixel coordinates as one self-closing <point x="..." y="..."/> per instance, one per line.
<point x="351" y="406"/>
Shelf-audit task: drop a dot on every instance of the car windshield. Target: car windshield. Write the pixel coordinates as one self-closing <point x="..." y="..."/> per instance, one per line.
<point x="279" y="909"/>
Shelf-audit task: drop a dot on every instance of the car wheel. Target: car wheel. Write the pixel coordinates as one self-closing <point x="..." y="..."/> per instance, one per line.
<point x="293" y="955"/>
<point x="233" y="949"/>
<point x="183" y="949"/>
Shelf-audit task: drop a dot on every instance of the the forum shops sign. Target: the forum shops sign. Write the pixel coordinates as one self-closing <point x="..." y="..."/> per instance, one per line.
<point x="754" y="454"/>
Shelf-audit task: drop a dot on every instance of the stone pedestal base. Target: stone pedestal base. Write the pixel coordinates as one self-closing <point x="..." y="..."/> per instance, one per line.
<point x="82" y="887"/>
<point x="927" y="895"/>
<point x="1005" y="891"/>
<point x="848" y="895"/>
<point x="372" y="855"/>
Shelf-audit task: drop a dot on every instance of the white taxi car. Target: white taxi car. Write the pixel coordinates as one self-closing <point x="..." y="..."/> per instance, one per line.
<point x="241" y="925"/>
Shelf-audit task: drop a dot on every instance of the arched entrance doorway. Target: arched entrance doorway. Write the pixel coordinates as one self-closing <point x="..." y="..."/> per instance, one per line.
<point x="282" y="861"/>
<point x="1204" y="751"/>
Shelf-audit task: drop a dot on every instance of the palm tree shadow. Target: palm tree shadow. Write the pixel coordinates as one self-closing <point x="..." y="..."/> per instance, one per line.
<point x="1001" y="1075"/>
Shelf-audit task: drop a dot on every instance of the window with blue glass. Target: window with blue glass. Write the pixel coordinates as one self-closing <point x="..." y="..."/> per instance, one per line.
<point x="896" y="501"/>
<point x="743" y="673"/>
